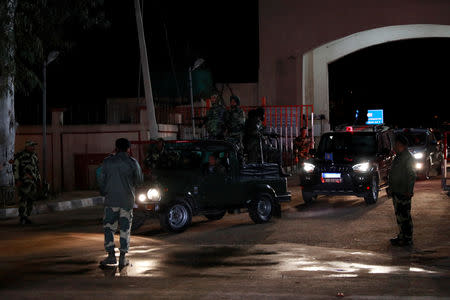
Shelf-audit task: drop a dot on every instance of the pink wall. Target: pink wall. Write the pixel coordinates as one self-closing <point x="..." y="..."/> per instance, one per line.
<point x="290" y="28"/>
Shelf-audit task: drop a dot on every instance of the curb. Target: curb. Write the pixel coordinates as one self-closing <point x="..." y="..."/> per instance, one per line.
<point x="54" y="207"/>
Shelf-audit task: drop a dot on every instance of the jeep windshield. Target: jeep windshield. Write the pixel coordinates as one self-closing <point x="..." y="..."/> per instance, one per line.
<point x="348" y="143"/>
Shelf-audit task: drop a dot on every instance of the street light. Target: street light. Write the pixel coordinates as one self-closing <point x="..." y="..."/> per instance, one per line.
<point x="197" y="64"/>
<point x="51" y="57"/>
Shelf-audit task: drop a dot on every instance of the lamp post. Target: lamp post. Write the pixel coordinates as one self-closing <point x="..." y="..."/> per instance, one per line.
<point x="51" y="57"/>
<point x="197" y="64"/>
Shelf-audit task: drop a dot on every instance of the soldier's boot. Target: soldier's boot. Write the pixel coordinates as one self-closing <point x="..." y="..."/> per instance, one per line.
<point x="110" y="259"/>
<point x="401" y="242"/>
<point x="123" y="261"/>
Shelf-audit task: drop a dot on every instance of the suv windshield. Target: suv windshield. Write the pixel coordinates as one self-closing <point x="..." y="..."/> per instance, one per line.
<point x="348" y="143"/>
<point x="416" y="139"/>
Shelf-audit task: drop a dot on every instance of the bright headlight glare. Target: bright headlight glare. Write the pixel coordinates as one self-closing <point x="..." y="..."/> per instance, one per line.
<point x="153" y="194"/>
<point x="418" y="155"/>
<point x="419" y="166"/>
<point x="363" y="167"/>
<point x="308" y="168"/>
<point x="142" y="197"/>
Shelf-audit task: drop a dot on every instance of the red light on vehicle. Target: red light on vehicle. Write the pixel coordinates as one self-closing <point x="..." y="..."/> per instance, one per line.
<point x="349" y="129"/>
<point x="368" y="188"/>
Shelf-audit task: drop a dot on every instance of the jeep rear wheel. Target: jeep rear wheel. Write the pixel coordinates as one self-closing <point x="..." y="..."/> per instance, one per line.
<point x="261" y="209"/>
<point x="176" y="217"/>
<point x="215" y="216"/>
<point x="372" y="196"/>
<point x="308" y="197"/>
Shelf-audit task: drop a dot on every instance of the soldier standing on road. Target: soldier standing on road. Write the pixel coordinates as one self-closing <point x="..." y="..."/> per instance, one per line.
<point x="28" y="180"/>
<point x="302" y="145"/>
<point x="235" y="121"/>
<point x="215" y="119"/>
<point x="401" y="187"/>
<point x="118" y="179"/>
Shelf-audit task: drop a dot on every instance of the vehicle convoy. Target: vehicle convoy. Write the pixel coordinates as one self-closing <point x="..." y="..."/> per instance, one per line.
<point x="352" y="161"/>
<point x="186" y="185"/>
<point x="425" y="149"/>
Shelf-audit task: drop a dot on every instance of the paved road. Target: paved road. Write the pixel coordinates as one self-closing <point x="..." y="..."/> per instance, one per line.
<point x="336" y="245"/>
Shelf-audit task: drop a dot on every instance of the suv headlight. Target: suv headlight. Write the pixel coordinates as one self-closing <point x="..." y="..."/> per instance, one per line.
<point x="362" y="167"/>
<point x="153" y="194"/>
<point x="418" y="155"/>
<point x="308" y="168"/>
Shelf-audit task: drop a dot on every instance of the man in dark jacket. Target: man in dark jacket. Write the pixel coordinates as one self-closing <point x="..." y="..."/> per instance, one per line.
<point x="401" y="186"/>
<point x="119" y="176"/>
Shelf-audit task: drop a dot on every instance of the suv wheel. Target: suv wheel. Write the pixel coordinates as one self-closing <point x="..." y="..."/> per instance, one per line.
<point x="176" y="217"/>
<point x="215" y="216"/>
<point x="261" y="208"/>
<point x="372" y="196"/>
<point x="139" y="218"/>
<point x="308" y="197"/>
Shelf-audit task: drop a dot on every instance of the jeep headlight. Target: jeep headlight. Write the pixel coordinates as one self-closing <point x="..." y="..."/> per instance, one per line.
<point x="153" y="195"/>
<point x="308" y="168"/>
<point x="362" y="167"/>
<point x="142" y="197"/>
<point x="418" y="155"/>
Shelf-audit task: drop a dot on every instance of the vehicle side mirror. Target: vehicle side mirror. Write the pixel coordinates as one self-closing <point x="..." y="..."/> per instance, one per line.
<point x="312" y="152"/>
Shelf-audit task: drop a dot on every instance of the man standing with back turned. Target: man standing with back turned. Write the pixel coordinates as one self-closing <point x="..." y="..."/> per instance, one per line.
<point x="118" y="179"/>
<point x="401" y="186"/>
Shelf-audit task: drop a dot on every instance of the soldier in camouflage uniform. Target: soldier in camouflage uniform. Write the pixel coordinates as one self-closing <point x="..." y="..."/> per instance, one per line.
<point x="253" y="134"/>
<point x="235" y="121"/>
<point x="28" y="180"/>
<point x="119" y="176"/>
<point x="215" y="119"/>
<point x="401" y="187"/>
<point x="155" y="152"/>
<point x="302" y="145"/>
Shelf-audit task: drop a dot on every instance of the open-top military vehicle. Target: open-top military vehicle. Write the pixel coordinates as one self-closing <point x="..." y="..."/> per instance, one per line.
<point x="185" y="184"/>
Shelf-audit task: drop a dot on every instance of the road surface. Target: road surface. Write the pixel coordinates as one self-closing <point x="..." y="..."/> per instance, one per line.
<point x="335" y="245"/>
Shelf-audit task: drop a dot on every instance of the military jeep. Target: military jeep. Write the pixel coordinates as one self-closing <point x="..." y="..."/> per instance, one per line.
<point x="184" y="185"/>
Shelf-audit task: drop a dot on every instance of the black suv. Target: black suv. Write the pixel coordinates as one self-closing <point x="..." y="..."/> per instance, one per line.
<point x="425" y="149"/>
<point x="352" y="161"/>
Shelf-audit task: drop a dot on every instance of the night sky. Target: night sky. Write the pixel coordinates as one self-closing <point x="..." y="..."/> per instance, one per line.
<point x="409" y="79"/>
<point x="104" y="63"/>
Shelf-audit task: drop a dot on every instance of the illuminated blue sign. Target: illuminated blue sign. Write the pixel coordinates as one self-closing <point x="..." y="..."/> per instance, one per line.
<point x="375" y="116"/>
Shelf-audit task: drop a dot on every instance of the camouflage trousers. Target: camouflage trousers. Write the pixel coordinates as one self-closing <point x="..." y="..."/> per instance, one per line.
<point x="27" y="194"/>
<point x="114" y="217"/>
<point x="402" y="207"/>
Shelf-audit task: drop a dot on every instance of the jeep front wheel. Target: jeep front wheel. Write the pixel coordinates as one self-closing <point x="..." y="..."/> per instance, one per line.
<point x="261" y="209"/>
<point x="176" y="217"/>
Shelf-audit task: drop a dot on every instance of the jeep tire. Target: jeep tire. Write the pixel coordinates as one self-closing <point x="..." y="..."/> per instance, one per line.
<point x="176" y="217"/>
<point x="261" y="208"/>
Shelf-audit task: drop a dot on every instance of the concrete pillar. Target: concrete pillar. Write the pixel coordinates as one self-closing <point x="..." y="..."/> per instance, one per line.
<point x="56" y="130"/>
